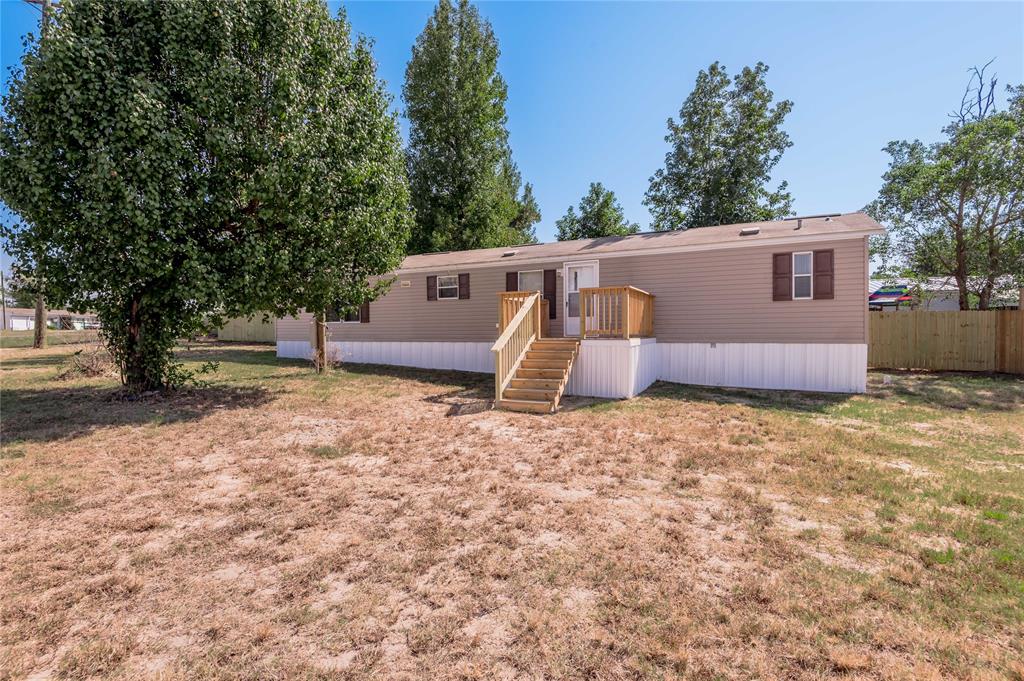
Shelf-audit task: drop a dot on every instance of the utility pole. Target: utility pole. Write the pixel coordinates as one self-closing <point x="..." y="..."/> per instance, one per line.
<point x="3" y="298"/>
<point x="39" y="338"/>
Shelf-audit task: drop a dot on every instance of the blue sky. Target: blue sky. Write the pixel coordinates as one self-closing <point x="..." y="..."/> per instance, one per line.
<point x="591" y="84"/>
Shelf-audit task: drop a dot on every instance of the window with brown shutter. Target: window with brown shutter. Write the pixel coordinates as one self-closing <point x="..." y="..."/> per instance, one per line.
<point x="432" y="287"/>
<point x="512" y="281"/>
<point x="782" y="282"/>
<point x="464" y="287"/>
<point x="824" y="275"/>
<point x="364" y="313"/>
<point x="549" y="293"/>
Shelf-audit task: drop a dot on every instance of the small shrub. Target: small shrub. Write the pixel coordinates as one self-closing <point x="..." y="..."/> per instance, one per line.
<point x="89" y="362"/>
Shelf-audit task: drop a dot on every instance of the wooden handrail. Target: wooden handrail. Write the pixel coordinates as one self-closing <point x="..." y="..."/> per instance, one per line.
<point x="514" y="341"/>
<point x="509" y="303"/>
<point x="616" y="312"/>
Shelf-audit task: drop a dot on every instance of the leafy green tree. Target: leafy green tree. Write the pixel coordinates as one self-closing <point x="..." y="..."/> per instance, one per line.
<point x="723" y="150"/>
<point x="956" y="207"/>
<point x="600" y="215"/>
<point x="19" y="291"/>
<point x="177" y="163"/>
<point x="465" y="187"/>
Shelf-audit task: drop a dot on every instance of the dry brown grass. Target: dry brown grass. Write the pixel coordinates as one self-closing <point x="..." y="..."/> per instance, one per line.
<point x="381" y="523"/>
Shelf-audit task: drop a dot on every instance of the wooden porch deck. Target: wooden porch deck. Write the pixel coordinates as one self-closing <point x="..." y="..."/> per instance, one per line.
<point x="531" y="369"/>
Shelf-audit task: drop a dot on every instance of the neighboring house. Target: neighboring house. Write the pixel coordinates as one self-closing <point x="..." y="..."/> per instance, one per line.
<point x="762" y="305"/>
<point x="934" y="294"/>
<point x="24" y="319"/>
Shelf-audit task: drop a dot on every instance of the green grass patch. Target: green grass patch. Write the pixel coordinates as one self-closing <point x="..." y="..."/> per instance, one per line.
<point x="331" y="451"/>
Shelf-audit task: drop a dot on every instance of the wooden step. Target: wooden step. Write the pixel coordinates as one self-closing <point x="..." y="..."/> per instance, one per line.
<point x="530" y="394"/>
<point x="535" y="383"/>
<point x="546" y="345"/>
<point x="561" y="364"/>
<point x="564" y="355"/>
<point x="535" y="406"/>
<point x="560" y="342"/>
<point x="526" y="372"/>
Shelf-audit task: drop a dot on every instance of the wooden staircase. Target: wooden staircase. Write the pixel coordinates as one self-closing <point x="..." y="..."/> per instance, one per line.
<point x="541" y="376"/>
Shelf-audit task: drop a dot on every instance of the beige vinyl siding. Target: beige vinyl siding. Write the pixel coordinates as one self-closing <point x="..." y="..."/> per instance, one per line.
<point x="707" y="296"/>
<point x="405" y="314"/>
<point x="295" y="328"/>
<point x="726" y="296"/>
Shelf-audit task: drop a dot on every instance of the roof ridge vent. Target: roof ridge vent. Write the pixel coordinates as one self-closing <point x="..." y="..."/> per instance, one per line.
<point x="750" y="231"/>
<point x="509" y="254"/>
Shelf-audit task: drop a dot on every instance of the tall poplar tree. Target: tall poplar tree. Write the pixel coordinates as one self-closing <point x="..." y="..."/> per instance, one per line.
<point x="466" y="190"/>
<point x="723" y="149"/>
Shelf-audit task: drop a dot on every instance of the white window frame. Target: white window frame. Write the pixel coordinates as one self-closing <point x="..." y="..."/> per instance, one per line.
<point x="438" y="287"/>
<point x="809" y="275"/>
<point x="352" y="321"/>
<point x="519" y="281"/>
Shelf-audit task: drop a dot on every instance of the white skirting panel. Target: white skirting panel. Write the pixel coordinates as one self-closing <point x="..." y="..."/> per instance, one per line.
<point x="825" y="367"/>
<point x="293" y="349"/>
<point x="624" y="368"/>
<point x="614" y="368"/>
<point x="458" y="356"/>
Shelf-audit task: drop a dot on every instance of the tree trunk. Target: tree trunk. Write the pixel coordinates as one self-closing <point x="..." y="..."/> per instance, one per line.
<point x="320" y="356"/>
<point x="985" y="296"/>
<point x="961" y="284"/>
<point x="39" y="339"/>
<point x="136" y="377"/>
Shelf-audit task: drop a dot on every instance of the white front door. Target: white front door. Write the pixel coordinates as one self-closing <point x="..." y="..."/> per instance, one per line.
<point x="577" y="275"/>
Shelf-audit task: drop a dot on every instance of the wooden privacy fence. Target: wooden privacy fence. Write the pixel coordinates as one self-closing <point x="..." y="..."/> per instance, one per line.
<point x="248" y="330"/>
<point x="990" y="340"/>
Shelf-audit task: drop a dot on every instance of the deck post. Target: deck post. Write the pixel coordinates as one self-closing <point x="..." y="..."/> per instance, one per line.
<point x="583" y="315"/>
<point x="627" y="301"/>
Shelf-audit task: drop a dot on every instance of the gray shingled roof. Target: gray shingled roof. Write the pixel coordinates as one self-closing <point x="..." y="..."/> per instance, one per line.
<point x="767" y="232"/>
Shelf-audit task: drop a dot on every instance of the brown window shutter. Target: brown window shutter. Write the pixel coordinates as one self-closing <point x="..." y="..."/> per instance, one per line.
<point x="432" y="287"/>
<point x="364" y="313"/>
<point x="464" y="287"/>
<point x="782" y="276"/>
<point x="511" y="281"/>
<point x="549" y="293"/>
<point x="824" y="275"/>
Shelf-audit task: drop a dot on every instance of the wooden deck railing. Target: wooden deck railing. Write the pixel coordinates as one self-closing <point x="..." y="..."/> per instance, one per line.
<point x="519" y="332"/>
<point x="509" y="303"/>
<point x="616" y="312"/>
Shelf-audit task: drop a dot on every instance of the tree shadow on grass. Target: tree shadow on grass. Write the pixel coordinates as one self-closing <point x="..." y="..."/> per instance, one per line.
<point x="480" y="385"/>
<point x="263" y="355"/>
<point x="44" y="415"/>
<point x="774" y="400"/>
<point x="40" y="362"/>
<point x="949" y="390"/>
